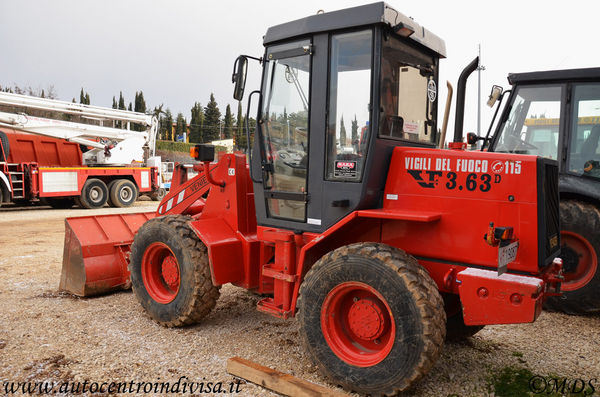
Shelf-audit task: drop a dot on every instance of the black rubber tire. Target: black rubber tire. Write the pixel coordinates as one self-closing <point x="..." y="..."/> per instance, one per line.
<point x="409" y="292"/>
<point x="159" y="194"/>
<point x="6" y="146"/>
<point x="60" y="203"/>
<point x="196" y="295"/>
<point x="94" y="194"/>
<point x="583" y="219"/>
<point x="122" y="193"/>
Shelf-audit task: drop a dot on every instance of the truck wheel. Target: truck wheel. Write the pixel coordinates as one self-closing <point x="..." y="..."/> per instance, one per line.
<point x="5" y="145"/>
<point x="170" y="272"/>
<point x="61" y="203"/>
<point x="580" y="250"/>
<point x="371" y="318"/>
<point x="94" y="194"/>
<point x="158" y="194"/>
<point x="122" y="193"/>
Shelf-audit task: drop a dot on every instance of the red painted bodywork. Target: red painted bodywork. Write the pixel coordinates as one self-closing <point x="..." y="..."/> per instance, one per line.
<point x="441" y="220"/>
<point x="45" y="151"/>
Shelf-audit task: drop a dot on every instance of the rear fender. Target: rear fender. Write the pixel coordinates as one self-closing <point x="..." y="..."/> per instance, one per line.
<point x="224" y="249"/>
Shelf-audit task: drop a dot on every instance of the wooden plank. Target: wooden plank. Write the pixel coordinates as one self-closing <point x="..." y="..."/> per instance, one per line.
<point x="279" y="382"/>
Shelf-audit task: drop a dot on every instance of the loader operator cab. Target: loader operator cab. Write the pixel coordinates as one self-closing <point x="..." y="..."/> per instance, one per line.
<point x="339" y="91"/>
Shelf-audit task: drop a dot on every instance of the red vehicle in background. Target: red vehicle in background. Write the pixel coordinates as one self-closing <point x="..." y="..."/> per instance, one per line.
<point x="66" y="162"/>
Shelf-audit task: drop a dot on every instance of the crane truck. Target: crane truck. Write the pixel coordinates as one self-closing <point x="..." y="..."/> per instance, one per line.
<point x="64" y="162"/>
<point x="378" y="249"/>
<point x="556" y="114"/>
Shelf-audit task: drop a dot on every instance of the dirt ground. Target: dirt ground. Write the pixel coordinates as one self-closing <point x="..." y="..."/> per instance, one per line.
<point x="50" y="336"/>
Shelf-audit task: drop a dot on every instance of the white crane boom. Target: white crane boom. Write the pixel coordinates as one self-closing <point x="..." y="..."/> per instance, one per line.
<point x="116" y="145"/>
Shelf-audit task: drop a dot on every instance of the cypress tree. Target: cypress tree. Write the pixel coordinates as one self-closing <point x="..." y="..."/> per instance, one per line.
<point x="212" y="120"/>
<point x="121" y="101"/>
<point x="228" y="123"/>
<point x="354" y="130"/>
<point x="181" y="126"/>
<point x="196" y="123"/>
<point x="81" y="96"/>
<point x="342" y="133"/>
<point x="240" y="136"/>
<point x="166" y="126"/>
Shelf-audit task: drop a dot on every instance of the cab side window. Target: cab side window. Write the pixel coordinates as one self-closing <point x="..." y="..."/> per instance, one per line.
<point x="584" y="148"/>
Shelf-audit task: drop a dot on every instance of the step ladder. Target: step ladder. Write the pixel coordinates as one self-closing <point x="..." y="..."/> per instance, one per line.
<point x="16" y="177"/>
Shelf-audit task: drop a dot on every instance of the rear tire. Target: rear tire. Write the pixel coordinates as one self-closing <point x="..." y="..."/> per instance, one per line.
<point x="170" y="272"/>
<point x="580" y="251"/>
<point x="94" y="194"/>
<point x="371" y="318"/>
<point x="122" y="193"/>
<point x="6" y="146"/>
<point x="159" y="194"/>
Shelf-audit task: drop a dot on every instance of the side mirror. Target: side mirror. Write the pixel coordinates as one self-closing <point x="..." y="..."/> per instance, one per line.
<point x="240" y="69"/>
<point x="494" y="95"/>
<point x="472" y="138"/>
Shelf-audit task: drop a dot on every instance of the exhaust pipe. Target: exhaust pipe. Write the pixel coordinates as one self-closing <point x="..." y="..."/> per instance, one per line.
<point x="460" y="99"/>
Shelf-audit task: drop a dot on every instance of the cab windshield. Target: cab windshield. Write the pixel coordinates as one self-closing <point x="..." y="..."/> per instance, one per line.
<point x="533" y="122"/>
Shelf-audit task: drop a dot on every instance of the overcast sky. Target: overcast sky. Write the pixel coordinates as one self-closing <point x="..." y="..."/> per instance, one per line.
<point x="178" y="52"/>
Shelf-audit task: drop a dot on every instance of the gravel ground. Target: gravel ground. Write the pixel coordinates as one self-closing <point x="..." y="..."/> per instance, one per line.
<point x="50" y="336"/>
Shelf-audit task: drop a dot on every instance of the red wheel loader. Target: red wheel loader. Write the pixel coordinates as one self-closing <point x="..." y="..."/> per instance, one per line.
<point x="380" y="245"/>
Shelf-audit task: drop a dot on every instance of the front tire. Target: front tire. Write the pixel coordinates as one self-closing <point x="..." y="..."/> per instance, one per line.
<point x="580" y="252"/>
<point x="170" y="272"/>
<point x="371" y="318"/>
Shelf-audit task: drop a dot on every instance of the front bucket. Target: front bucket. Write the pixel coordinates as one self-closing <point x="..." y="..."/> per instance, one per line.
<point x="96" y="252"/>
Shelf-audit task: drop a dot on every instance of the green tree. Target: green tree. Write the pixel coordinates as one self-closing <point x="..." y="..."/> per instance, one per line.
<point x="228" y="123"/>
<point x="342" y="133"/>
<point x="140" y="103"/>
<point x="212" y="120"/>
<point x="84" y="97"/>
<point x="121" y="101"/>
<point x="181" y="126"/>
<point x="166" y="125"/>
<point x="354" y="130"/>
<point x="240" y="136"/>
<point x="196" y="123"/>
<point x="114" y="104"/>
<point x="140" y="107"/>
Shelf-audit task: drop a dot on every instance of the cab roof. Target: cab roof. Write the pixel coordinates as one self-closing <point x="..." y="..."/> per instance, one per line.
<point x="369" y="14"/>
<point x="550" y="76"/>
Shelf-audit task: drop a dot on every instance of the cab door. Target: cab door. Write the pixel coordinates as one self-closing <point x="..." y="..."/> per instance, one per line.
<point x="283" y="138"/>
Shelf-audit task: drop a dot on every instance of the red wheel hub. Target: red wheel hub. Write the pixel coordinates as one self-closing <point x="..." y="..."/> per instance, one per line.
<point x="366" y="319"/>
<point x="160" y="273"/>
<point x="357" y="324"/>
<point x="580" y="258"/>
